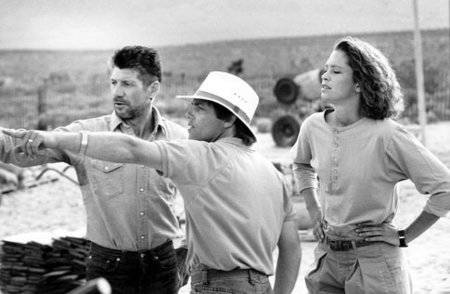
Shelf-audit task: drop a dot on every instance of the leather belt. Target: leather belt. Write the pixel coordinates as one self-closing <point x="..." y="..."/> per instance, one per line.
<point x="346" y="245"/>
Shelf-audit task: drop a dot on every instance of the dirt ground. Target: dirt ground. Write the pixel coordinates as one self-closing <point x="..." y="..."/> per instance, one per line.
<point x="56" y="209"/>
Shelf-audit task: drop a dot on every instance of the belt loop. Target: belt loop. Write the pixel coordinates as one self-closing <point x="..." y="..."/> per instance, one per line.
<point x="250" y="277"/>
<point x="205" y="277"/>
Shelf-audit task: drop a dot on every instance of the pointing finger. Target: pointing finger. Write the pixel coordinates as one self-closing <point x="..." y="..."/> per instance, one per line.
<point x="14" y="133"/>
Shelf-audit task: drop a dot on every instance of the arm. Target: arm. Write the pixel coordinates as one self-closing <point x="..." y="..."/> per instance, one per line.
<point x="11" y="152"/>
<point x="430" y="176"/>
<point x="306" y="181"/>
<point x="422" y="223"/>
<point x="289" y="257"/>
<point x="314" y="211"/>
<point x="389" y="234"/>
<point x="100" y="145"/>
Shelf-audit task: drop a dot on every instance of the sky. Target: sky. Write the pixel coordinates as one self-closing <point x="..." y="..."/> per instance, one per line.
<point x="108" y="24"/>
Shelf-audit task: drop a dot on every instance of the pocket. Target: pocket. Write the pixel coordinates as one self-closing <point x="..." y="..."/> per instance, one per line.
<point x="376" y="275"/>
<point x="313" y="277"/>
<point x="101" y="264"/>
<point x="168" y="261"/>
<point x="319" y="257"/>
<point x="107" y="178"/>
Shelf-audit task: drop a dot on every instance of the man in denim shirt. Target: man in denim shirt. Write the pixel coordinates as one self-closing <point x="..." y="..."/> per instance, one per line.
<point x="130" y="220"/>
<point x="238" y="209"/>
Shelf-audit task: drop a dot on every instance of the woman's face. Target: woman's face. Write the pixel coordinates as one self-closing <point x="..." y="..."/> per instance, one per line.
<point x="337" y="80"/>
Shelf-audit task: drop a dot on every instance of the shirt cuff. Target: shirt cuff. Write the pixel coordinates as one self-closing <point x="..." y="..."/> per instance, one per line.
<point x="305" y="178"/>
<point x="438" y="209"/>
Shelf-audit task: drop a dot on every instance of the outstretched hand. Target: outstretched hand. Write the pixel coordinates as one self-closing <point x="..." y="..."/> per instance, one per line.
<point x="379" y="233"/>
<point x="29" y="141"/>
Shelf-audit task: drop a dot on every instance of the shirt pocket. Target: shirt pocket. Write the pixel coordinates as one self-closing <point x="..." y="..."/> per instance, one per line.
<point x="107" y="178"/>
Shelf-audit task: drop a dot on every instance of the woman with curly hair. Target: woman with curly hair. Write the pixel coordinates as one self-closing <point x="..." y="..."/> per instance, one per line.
<point x="357" y="153"/>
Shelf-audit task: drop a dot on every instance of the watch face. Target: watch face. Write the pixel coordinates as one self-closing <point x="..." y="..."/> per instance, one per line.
<point x="401" y="237"/>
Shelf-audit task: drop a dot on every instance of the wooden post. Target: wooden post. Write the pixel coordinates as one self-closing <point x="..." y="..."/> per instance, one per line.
<point x="42" y="105"/>
<point x="419" y="74"/>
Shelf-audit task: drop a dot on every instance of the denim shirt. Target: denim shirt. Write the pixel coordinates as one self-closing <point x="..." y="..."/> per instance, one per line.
<point x="128" y="206"/>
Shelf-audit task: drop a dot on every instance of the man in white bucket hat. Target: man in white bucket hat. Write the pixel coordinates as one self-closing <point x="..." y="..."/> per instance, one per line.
<point x="237" y="206"/>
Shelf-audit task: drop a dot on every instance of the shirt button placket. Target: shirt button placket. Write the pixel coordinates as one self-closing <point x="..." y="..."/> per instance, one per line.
<point x="334" y="162"/>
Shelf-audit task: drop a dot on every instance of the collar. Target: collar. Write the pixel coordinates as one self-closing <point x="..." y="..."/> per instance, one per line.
<point x="156" y="117"/>
<point x="235" y="141"/>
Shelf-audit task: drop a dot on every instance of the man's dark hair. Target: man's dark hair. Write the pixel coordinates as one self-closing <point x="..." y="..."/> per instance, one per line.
<point x="143" y="59"/>
<point x="242" y="131"/>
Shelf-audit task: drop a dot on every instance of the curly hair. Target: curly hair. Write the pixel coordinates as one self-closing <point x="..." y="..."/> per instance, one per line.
<point x="143" y="59"/>
<point x="381" y="96"/>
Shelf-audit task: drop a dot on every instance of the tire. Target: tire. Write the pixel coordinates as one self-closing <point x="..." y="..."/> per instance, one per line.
<point x="285" y="130"/>
<point x="286" y="91"/>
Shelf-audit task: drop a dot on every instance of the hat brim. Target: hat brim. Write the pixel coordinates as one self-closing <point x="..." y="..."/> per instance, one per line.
<point x="192" y="97"/>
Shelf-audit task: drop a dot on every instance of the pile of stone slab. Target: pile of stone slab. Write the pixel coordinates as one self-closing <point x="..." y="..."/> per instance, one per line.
<point x="33" y="267"/>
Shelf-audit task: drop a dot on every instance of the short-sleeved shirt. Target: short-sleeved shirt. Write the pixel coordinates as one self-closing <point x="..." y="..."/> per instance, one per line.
<point x="358" y="166"/>
<point x="128" y="206"/>
<point x="235" y="200"/>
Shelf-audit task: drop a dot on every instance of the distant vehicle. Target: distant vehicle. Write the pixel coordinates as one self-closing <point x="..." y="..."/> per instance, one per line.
<point x="299" y="97"/>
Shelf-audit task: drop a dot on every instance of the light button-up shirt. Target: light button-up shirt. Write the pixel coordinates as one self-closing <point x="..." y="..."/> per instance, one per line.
<point x="128" y="207"/>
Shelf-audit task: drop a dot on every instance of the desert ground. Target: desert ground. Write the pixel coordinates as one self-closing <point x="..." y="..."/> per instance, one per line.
<point x="56" y="209"/>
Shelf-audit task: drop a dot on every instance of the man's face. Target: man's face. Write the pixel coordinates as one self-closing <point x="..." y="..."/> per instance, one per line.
<point x="131" y="98"/>
<point x="203" y="122"/>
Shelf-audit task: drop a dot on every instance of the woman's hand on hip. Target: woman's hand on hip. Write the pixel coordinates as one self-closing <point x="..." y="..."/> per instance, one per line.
<point x="378" y="233"/>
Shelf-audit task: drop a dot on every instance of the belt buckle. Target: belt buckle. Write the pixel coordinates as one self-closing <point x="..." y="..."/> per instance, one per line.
<point x="340" y="245"/>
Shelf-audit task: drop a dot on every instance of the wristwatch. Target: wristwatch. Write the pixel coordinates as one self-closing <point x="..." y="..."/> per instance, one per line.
<point x="402" y="239"/>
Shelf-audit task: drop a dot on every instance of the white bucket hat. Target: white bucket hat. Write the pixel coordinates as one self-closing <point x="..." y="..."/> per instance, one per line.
<point x="231" y="92"/>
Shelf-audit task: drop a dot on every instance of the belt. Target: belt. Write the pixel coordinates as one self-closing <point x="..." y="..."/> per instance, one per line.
<point x="346" y="245"/>
<point x="206" y="274"/>
<point x="158" y="250"/>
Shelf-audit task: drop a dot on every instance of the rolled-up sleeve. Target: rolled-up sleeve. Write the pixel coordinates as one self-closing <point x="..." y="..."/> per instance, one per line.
<point x="304" y="173"/>
<point x="188" y="162"/>
<point x="288" y="207"/>
<point x="411" y="160"/>
<point x="305" y="176"/>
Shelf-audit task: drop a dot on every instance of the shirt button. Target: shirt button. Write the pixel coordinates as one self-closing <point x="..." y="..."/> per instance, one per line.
<point x="156" y="257"/>
<point x="142" y="237"/>
<point x="142" y="255"/>
<point x="141" y="189"/>
<point x="141" y="213"/>
<point x="118" y="259"/>
<point x="106" y="168"/>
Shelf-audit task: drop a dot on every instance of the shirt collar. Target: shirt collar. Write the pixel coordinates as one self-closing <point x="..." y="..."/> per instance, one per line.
<point x="235" y="141"/>
<point x="156" y="117"/>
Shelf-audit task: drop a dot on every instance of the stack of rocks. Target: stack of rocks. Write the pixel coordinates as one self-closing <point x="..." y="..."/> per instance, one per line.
<point x="37" y="268"/>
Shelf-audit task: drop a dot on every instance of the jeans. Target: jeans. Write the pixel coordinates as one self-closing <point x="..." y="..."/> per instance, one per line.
<point x="239" y="281"/>
<point x="131" y="272"/>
